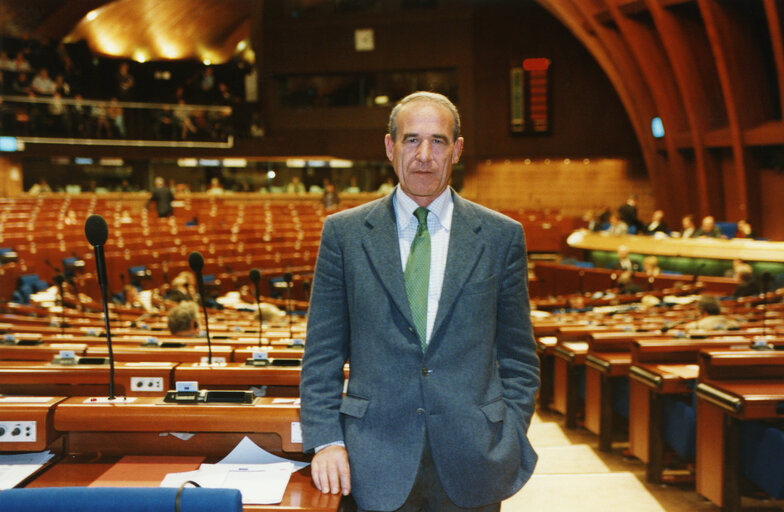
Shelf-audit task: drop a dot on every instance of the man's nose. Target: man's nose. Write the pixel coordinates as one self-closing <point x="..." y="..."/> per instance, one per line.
<point x="424" y="151"/>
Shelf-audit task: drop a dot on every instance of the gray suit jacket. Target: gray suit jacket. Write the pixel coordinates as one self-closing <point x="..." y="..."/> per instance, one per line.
<point x="473" y="389"/>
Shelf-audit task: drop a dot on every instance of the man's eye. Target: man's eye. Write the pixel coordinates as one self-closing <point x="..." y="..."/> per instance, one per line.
<point x="411" y="139"/>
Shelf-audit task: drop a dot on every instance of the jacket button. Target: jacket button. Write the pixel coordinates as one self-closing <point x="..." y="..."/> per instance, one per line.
<point x="411" y="329"/>
<point x="420" y="411"/>
<point x="426" y="372"/>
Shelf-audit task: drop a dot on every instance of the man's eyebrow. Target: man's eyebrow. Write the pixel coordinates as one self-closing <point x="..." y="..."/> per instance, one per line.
<point x="435" y="136"/>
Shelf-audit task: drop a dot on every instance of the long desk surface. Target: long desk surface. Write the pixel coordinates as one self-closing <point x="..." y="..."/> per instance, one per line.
<point x="747" y="250"/>
<point x="118" y="438"/>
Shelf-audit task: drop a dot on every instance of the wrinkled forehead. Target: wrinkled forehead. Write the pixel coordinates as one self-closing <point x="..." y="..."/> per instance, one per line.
<point x="423" y="109"/>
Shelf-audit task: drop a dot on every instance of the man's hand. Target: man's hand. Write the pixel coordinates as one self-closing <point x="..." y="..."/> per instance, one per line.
<point x="330" y="471"/>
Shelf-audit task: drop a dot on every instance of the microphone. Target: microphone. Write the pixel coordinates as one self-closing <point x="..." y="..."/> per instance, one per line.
<point x="255" y="276"/>
<point x="49" y="264"/>
<point x="766" y="278"/>
<point x="59" y="280"/>
<point x="288" y="277"/>
<point x="697" y="273"/>
<point x="97" y="232"/>
<point x="196" y="262"/>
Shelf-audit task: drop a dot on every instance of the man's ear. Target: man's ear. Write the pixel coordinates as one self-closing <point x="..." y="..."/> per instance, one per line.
<point x="458" y="150"/>
<point x="389" y="144"/>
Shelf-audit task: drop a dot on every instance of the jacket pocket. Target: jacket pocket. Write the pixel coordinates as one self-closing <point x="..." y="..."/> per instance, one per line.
<point x="494" y="410"/>
<point x="354" y="406"/>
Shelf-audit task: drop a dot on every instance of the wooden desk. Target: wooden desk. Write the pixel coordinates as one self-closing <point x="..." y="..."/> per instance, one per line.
<point x="602" y="370"/>
<point x="99" y="435"/>
<point x="745" y="249"/>
<point x="43" y="352"/>
<point x="734" y="386"/>
<point x="279" y="380"/>
<point x="662" y="367"/>
<point x="28" y="409"/>
<point x="568" y="361"/>
<point x="37" y="378"/>
<point x="189" y="354"/>
<point x="544" y="349"/>
<point x="244" y="353"/>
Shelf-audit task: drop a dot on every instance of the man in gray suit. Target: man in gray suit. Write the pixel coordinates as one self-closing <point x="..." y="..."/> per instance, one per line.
<point x="442" y="380"/>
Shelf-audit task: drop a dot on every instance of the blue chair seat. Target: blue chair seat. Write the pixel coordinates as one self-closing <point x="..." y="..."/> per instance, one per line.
<point x="119" y="499"/>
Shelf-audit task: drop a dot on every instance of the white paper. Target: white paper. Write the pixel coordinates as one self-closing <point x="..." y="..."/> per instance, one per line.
<point x="248" y="452"/>
<point x="15" y="468"/>
<point x="260" y="476"/>
<point x="259" y="484"/>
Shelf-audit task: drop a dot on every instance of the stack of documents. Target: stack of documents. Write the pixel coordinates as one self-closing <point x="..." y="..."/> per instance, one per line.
<point x="260" y="476"/>
<point x="16" y="467"/>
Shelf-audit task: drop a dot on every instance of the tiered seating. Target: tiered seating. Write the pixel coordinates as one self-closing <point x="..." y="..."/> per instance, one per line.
<point x="617" y="367"/>
<point x="545" y="230"/>
<point x="234" y="233"/>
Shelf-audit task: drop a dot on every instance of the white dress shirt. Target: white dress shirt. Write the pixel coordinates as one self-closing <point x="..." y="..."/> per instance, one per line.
<point x="439" y="224"/>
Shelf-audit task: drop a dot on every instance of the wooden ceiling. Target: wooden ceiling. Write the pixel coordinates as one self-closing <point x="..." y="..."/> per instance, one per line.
<point x="136" y="29"/>
<point x="713" y="71"/>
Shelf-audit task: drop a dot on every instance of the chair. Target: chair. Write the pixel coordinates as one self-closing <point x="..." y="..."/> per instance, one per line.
<point x="120" y="499"/>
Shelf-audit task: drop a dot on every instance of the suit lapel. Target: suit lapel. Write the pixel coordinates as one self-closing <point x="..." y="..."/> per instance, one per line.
<point x="465" y="247"/>
<point x="380" y="241"/>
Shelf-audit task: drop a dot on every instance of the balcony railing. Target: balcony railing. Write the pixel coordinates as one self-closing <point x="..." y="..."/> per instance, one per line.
<point x="55" y="120"/>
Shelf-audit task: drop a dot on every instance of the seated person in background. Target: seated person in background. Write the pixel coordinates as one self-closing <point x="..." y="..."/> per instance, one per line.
<point x="733" y="271"/>
<point x="708" y="228"/>
<point x="744" y="230"/>
<point x="41" y="187"/>
<point x="657" y="224"/>
<point x="330" y="199"/>
<point x="628" y="214"/>
<point x="650" y="265"/>
<point x="183" y="319"/>
<point x="130" y="296"/>
<point x="626" y="286"/>
<point x="295" y="186"/>
<point x="624" y="262"/>
<point x="181" y="287"/>
<point x="215" y="186"/>
<point x="687" y="226"/>
<point x="386" y="187"/>
<point x="353" y="187"/>
<point x="747" y="285"/>
<point x="617" y="226"/>
<point x="597" y="219"/>
<point x="711" y="318"/>
<point x="270" y="313"/>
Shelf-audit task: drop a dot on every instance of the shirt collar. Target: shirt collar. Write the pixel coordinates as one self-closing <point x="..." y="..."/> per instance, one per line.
<point x="441" y="208"/>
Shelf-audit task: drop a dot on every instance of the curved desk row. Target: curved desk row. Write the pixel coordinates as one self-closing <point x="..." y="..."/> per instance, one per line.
<point x="706" y="256"/>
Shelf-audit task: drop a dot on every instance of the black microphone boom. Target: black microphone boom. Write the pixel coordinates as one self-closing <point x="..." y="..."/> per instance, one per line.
<point x="59" y="280"/>
<point x="255" y="276"/>
<point x="96" y="231"/>
<point x="196" y="262"/>
<point x="288" y="277"/>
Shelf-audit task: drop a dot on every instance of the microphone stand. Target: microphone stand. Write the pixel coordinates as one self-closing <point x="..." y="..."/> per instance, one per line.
<point x="58" y="279"/>
<point x="289" y="306"/>
<point x="102" y="279"/>
<point x="206" y="321"/>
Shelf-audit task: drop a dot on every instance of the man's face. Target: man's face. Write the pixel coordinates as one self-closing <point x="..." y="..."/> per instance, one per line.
<point x="424" y="152"/>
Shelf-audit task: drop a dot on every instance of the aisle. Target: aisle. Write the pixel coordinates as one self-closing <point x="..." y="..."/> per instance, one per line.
<point x="572" y="475"/>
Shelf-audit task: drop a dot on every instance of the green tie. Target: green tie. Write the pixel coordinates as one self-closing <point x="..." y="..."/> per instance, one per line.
<point x="417" y="275"/>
